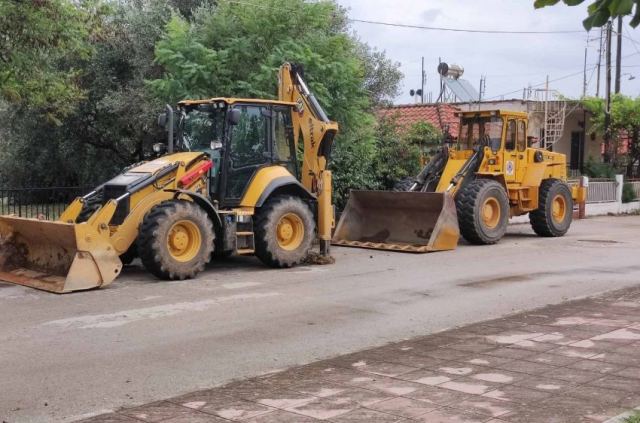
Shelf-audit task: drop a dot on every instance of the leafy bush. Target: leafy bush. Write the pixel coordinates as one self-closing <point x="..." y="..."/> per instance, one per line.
<point x="594" y="169"/>
<point x="628" y="193"/>
<point x="396" y="156"/>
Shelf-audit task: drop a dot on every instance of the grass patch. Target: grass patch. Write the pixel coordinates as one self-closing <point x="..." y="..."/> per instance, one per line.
<point x="634" y="418"/>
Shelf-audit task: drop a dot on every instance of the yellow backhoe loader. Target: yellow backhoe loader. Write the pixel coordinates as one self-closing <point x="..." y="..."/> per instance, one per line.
<point x="470" y="187"/>
<point x="230" y="183"/>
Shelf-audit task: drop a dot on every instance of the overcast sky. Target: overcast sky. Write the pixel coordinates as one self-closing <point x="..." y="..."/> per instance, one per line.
<point x="510" y="62"/>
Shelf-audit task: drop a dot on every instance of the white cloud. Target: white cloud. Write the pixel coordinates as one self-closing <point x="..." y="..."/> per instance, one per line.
<point x="511" y="62"/>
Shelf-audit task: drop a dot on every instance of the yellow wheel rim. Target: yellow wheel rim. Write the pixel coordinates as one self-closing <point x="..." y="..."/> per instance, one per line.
<point x="558" y="208"/>
<point x="490" y="212"/>
<point x="184" y="240"/>
<point x="290" y="231"/>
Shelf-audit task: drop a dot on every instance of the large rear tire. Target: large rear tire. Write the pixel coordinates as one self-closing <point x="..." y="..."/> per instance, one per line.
<point x="283" y="231"/>
<point x="176" y="240"/>
<point x="554" y="214"/>
<point x="483" y="211"/>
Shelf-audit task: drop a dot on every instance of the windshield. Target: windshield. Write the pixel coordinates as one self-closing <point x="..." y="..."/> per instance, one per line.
<point x="476" y="131"/>
<point x="201" y="128"/>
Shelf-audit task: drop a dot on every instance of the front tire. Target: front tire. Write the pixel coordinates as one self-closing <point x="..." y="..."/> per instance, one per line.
<point x="283" y="232"/>
<point x="483" y="211"/>
<point x="176" y="240"/>
<point x="554" y="214"/>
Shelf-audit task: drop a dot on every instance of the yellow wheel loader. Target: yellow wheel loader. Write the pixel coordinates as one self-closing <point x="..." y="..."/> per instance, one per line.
<point x="471" y="187"/>
<point x="230" y="183"/>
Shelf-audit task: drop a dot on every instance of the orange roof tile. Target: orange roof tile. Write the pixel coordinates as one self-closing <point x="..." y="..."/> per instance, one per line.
<point x="436" y="114"/>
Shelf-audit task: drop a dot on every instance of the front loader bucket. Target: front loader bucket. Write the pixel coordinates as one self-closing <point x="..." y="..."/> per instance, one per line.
<point x="55" y="256"/>
<point x="417" y="222"/>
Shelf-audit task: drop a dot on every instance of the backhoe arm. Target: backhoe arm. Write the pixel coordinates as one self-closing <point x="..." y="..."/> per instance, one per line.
<point x="317" y="131"/>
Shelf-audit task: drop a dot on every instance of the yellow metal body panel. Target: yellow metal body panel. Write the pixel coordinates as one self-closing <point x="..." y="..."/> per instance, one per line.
<point x="71" y="213"/>
<point x="457" y="159"/>
<point x="261" y="181"/>
<point x="326" y="217"/>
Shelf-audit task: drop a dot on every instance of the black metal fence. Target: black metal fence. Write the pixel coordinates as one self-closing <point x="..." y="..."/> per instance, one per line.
<point x="41" y="203"/>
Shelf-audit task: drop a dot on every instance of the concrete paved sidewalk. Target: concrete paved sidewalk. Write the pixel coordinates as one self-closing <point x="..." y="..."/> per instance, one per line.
<point x="574" y="362"/>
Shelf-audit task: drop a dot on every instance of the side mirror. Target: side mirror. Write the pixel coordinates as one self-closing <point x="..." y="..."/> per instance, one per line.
<point x="233" y="116"/>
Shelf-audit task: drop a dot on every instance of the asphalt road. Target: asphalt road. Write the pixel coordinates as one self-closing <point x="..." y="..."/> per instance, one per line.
<point x="63" y="357"/>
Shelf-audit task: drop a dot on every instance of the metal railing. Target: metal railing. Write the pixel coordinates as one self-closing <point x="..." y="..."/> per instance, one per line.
<point x="40" y="203"/>
<point x="601" y="191"/>
<point x="636" y="187"/>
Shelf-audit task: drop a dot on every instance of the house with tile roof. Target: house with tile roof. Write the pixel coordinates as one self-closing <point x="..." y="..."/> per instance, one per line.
<point x="440" y="115"/>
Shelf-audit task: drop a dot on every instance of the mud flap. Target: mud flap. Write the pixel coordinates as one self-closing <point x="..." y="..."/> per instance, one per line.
<point x="55" y="256"/>
<point x="417" y="222"/>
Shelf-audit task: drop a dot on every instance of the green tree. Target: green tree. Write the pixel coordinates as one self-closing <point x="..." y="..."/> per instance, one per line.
<point x="426" y="137"/>
<point x="625" y="121"/>
<point x="112" y="124"/>
<point x="398" y="152"/>
<point x="38" y="40"/>
<point x="600" y="11"/>
<point x="234" y="49"/>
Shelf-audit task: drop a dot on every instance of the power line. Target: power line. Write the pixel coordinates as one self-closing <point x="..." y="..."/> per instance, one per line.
<point x="591" y="66"/>
<point x="542" y="83"/>
<point x="429" y="28"/>
<point x="475" y="31"/>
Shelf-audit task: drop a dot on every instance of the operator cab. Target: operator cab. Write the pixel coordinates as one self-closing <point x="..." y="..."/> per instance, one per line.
<point x="479" y="131"/>
<point x="240" y="137"/>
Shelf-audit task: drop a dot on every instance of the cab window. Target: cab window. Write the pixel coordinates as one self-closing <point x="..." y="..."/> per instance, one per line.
<point x="249" y="139"/>
<point x="283" y="144"/>
<point x="521" y="140"/>
<point x="510" y="142"/>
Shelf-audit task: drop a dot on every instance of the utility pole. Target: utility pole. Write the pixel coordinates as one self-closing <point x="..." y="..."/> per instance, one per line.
<point x="584" y="73"/>
<point x="599" y="63"/>
<point x="423" y="80"/>
<point x="607" y="108"/>
<point x="483" y="82"/>
<point x="619" y="54"/>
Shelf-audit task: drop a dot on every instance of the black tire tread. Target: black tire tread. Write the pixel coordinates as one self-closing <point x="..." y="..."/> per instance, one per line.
<point x="150" y="247"/>
<point x="264" y="250"/>
<point x="466" y="206"/>
<point x="539" y="218"/>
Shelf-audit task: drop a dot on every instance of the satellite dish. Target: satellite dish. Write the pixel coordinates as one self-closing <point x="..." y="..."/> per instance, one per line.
<point x="443" y="68"/>
<point x="412" y="93"/>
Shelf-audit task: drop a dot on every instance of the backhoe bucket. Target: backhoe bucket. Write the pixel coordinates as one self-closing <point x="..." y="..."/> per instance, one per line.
<point x="55" y="256"/>
<point x="417" y="222"/>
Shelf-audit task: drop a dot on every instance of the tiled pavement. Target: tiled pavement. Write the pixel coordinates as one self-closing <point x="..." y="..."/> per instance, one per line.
<point x="574" y="362"/>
